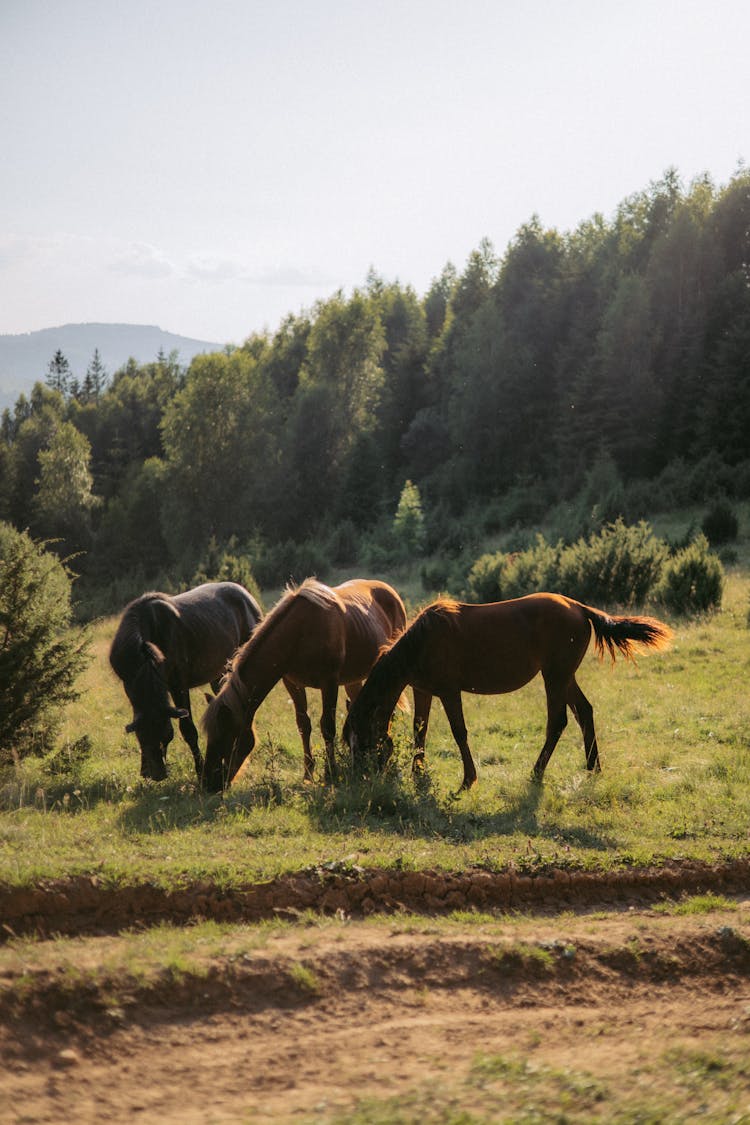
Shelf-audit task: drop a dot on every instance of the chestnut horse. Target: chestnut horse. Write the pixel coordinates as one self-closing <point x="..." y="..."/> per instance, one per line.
<point x="166" y="644"/>
<point x="491" y="649"/>
<point x="316" y="636"/>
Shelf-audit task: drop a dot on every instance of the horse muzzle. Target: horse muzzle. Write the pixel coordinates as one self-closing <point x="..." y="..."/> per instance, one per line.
<point x="153" y="771"/>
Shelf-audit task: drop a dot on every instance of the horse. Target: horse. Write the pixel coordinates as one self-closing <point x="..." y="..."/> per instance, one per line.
<point x="166" y="644"/>
<point x="316" y="636"/>
<point x="490" y="649"/>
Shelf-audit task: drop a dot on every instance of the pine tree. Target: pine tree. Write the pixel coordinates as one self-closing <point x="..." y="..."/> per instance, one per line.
<point x="59" y="375"/>
<point x="95" y="379"/>
<point x="41" y="656"/>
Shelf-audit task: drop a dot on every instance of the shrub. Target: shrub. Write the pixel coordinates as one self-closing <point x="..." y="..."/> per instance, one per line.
<point x="720" y="524"/>
<point x="40" y="654"/>
<point x="226" y="564"/>
<point x="484" y="582"/>
<point x="693" y="579"/>
<point x="435" y="575"/>
<point x="621" y="565"/>
<point x="408" y="522"/>
<point x="536" y="568"/>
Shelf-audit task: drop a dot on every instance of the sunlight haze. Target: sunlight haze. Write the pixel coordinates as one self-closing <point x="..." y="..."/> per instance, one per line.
<point x="210" y="168"/>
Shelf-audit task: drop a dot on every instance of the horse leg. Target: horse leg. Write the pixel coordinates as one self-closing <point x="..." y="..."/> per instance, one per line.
<point x="422" y="705"/>
<point x="181" y="697"/>
<point x="584" y="715"/>
<point x="557" y="720"/>
<point x="304" y="726"/>
<point x="329" y="694"/>
<point x="455" y="712"/>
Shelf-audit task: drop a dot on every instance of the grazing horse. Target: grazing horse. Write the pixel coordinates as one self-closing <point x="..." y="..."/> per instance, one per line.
<point x="316" y="636"/>
<point x="166" y="644"/>
<point x="491" y="649"/>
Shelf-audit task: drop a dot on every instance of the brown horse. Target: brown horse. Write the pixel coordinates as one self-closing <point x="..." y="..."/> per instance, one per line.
<point x="166" y="644"/>
<point x="316" y="636"/>
<point x="491" y="649"/>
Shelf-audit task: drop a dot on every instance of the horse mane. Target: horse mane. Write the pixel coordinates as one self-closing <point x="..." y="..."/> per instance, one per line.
<point x="443" y="605"/>
<point x="233" y="693"/>
<point x="126" y="651"/>
<point x="399" y="658"/>
<point x="312" y="590"/>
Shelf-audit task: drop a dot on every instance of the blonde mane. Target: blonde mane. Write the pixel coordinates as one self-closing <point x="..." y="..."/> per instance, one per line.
<point x="317" y="593"/>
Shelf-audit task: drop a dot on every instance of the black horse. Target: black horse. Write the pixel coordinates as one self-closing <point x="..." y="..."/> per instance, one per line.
<point x="166" y="644"/>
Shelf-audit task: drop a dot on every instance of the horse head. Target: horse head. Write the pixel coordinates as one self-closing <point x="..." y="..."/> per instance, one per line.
<point x="229" y="742"/>
<point x="153" y="729"/>
<point x="367" y="734"/>
<point x="152" y="713"/>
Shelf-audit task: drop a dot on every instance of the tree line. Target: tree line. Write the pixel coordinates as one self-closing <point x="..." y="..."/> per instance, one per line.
<point x="592" y="370"/>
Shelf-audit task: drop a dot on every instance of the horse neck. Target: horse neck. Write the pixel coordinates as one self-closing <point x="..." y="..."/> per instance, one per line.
<point x="388" y="678"/>
<point x="126" y="654"/>
<point x="263" y="660"/>
<point x="145" y="684"/>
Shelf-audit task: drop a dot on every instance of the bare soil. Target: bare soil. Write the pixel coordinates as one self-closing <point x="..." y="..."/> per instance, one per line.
<point x="589" y="981"/>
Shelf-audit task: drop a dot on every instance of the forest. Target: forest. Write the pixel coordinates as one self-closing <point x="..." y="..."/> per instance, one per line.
<point x="575" y="378"/>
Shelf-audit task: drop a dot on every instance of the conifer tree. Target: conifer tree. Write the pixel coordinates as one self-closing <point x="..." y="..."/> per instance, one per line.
<point x="41" y="655"/>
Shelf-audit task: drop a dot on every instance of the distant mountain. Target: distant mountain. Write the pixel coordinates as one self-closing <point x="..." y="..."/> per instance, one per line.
<point x="24" y="359"/>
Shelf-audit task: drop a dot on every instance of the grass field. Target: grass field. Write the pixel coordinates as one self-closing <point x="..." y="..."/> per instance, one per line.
<point x="674" y="735"/>
<point x="611" y="1013"/>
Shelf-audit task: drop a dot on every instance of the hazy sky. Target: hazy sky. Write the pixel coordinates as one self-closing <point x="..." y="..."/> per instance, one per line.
<point x="211" y="165"/>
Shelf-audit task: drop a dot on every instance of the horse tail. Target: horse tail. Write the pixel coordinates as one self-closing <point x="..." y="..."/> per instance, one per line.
<point x="626" y="635"/>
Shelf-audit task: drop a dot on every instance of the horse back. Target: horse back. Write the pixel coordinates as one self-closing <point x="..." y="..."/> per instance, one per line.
<point x="374" y="616"/>
<point x="213" y="621"/>
<point x="498" y="647"/>
<point x="196" y="631"/>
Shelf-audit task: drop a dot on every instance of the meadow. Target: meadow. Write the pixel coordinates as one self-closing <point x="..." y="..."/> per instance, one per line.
<point x="674" y="735"/>
<point x="600" y="1012"/>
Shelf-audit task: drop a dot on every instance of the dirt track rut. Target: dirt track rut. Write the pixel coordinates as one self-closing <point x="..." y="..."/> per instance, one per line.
<point x="607" y="1011"/>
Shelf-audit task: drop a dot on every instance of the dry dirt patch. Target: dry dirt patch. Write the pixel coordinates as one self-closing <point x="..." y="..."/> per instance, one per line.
<point x="577" y="1015"/>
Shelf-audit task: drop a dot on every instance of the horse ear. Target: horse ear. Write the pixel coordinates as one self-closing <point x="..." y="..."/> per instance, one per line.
<point x="208" y="697"/>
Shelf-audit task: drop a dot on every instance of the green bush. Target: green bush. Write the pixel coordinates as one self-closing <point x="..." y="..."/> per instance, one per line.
<point x="618" y="566"/>
<point x="40" y="654"/>
<point x="720" y="524"/>
<point x="621" y="565"/>
<point x="484" y="582"/>
<point x="226" y="564"/>
<point x="536" y="568"/>
<point x="692" y="580"/>
<point x="408" y="522"/>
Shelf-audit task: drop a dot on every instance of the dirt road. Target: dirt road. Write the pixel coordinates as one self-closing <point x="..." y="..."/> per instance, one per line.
<point x="622" y="1014"/>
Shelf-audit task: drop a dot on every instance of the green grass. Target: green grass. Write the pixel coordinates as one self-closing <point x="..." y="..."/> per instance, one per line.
<point x="677" y="1086"/>
<point x="697" y="904"/>
<point x="674" y="735"/>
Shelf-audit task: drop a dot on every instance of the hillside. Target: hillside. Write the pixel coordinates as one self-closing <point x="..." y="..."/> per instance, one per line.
<point x="24" y="358"/>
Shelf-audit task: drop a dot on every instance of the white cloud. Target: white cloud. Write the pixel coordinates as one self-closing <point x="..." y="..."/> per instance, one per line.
<point x="219" y="270"/>
<point x="291" y="277"/>
<point x="213" y="269"/>
<point x="140" y="259"/>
